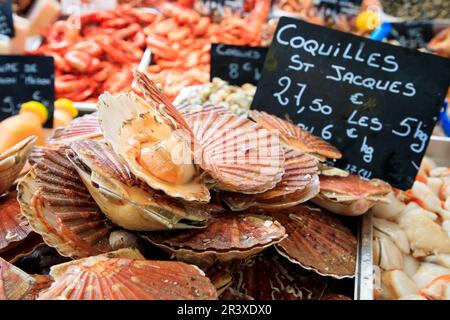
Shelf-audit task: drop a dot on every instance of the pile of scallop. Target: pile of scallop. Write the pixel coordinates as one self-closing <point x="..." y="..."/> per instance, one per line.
<point x="147" y="201"/>
<point x="412" y="239"/>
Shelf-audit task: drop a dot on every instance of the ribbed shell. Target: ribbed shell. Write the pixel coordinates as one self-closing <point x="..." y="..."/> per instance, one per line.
<point x="229" y="236"/>
<point x="41" y="283"/>
<point x="317" y="241"/>
<point x="295" y="137"/>
<point x="155" y="97"/>
<point x="188" y="110"/>
<point x="127" y="201"/>
<point x="270" y="277"/>
<point x="103" y="278"/>
<point x="12" y="162"/>
<point x="353" y="187"/>
<point x="60" y="208"/>
<point x="14" y="283"/>
<point x="85" y="127"/>
<point x="238" y="154"/>
<point x="14" y="226"/>
<point x="298" y="184"/>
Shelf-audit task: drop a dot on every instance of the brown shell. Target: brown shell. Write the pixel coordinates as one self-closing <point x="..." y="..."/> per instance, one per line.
<point x="60" y="208"/>
<point x="295" y="137"/>
<point x="351" y="195"/>
<point x="353" y="186"/>
<point x="298" y="184"/>
<point x="85" y="127"/>
<point x="229" y="236"/>
<point x="118" y="192"/>
<point x="317" y="241"/>
<point x="333" y="296"/>
<point x="106" y="277"/>
<point x="41" y="283"/>
<point x="13" y="224"/>
<point x="154" y="96"/>
<point x="23" y="248"/>
<point x="12" y="162"/>
<point x="238" y="154"/>
<point x="270" y="277"/>
<point x="189" y="110"/>
<point x="14" y="283"/>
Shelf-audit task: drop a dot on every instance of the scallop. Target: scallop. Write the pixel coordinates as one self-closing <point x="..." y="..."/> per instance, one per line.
<point x="12" y="162"/>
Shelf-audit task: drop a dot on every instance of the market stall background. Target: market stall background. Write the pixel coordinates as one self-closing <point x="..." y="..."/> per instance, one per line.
<point x="80" y="196"/>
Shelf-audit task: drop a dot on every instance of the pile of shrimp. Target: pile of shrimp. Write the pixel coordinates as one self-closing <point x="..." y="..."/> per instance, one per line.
<point x="181" y="42"/>
<point x="412" y="239"/>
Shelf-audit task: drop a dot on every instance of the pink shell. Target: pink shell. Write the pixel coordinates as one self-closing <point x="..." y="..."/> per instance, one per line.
<point x="295" y="137"/>
<point x="317" y="241"/>
<point x="14" y="283"/>
<point x="104" y="278"/>
<point x="238" y="154"/>
<point x="85" y="127"/>
<point x="229" y="236"/>
<point x="59" y="207"/>
<point x="189" y="110"/>
<point x="298" y="184"/>
<point x="13" y="225"/>
<point x="354" y="186"/>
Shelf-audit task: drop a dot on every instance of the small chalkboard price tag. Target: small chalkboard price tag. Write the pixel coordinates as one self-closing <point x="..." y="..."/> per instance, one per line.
<point x="414" y="34"/>
<point x="345" y="7"/>
<point x="237" y="64"/>
<point x="25" y="78"/>
<point x="6" y="19"/>
<point x="376" y="102"/>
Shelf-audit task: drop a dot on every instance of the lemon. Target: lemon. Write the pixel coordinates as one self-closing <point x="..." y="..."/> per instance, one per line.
<point x="37" y="108"/>
<point x="67" y="105"/>
<point x="367" y="21"/>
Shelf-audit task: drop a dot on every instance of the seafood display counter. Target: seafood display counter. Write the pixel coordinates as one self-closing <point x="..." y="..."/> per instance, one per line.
<point x="161" y="181"/>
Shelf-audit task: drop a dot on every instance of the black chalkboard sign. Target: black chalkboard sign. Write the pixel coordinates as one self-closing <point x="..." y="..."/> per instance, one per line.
<point x="25" y="78"/>
<point x="345" y="7"/>
<point x="376" y="102"/>
<point x="412" y="34"/>
<point x="237" y="64"/>
<point x="6" y="19"/>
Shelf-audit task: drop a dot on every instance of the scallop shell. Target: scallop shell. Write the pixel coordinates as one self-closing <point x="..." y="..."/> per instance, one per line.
<point x="59" y="207"/>
<point x="126" y="118"/>
<point x="41" y="283"/>
<point x="295" y="137"/>
<point x="13" y="225"/>
<point x="14" y="283"/>
<point x="317" y="241"/>
<point x="115" y="277"/>
<point x="351" y="195"/>
<point x="270" y="277"/>
<point x="229" y="236"/>
<point x="123" y="198"/>
<point x="12" y="161"/>
<point x="298" y="184"/>
<point x="84" y="127"/>
<point x="238" y="154"/>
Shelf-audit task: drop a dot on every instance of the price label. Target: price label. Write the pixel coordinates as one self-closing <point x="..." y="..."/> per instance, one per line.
<point x="414" y="34"/>
<point x="6" y="19"/>
<point x="376" y="102"/>
<point x="237" y="64"/>
<point x="332" y="7"/>
<point x="25" y="78"/>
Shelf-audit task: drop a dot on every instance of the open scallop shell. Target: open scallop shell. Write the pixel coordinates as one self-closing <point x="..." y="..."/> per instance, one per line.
<point x="238" y="154"/>
<point x="59" y="207"/>
<point x="270" y="277"/>
<point x="229" y="236"/>
<point x="317" y="241"/>
<point x="14" y="283"/>
<point x="295" y="137"/>
<point x="123" y="198"/>
<point x="124" y="275"/>
<point x="351" y="195"/>
<point x="133" y="125"/>
<point x="298" y="184"/>
<point x="12" y="161"/>
<point x="85" y="127"/>
<point x="14" y="226"/>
